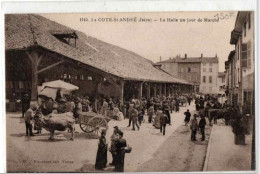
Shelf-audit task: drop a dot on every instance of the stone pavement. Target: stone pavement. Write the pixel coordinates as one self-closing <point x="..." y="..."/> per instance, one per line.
<point x="223" y="154"/>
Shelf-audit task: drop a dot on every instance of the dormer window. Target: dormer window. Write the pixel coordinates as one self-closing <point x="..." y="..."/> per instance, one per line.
<point x="68" y="37"/>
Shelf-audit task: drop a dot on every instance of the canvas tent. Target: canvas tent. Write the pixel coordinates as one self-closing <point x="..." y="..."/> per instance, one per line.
<point x="50" y="88"/>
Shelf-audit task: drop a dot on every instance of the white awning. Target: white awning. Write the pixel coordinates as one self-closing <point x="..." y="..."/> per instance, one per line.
<point x="59" y="84"/>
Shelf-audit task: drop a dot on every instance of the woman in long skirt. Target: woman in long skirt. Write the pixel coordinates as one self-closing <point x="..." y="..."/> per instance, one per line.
<point x="101" y="159"/>
<point x="120" y="153"/>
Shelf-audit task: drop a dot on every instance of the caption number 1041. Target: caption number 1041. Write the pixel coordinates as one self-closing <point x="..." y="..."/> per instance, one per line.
<point x="223" y="15"/>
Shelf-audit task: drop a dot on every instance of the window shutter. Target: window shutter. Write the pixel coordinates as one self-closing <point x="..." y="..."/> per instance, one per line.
<point x="249" y="54"/>
<point x="244" y="55"/>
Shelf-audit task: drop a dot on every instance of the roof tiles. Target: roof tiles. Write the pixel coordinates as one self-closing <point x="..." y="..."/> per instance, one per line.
<point x="25" y="30"/>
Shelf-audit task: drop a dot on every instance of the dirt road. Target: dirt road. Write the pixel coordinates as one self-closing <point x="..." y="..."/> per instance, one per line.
<point x="178" y="153"/>
<point x="37" y="154"/>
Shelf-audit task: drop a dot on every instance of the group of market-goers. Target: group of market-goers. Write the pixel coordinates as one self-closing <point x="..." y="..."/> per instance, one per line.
<point x="203" y="104"/>
<point x="158" y="110"/>
<point x="118" y="149"/>
<point x="134" y="109"/>
<point x="194" y="125"/>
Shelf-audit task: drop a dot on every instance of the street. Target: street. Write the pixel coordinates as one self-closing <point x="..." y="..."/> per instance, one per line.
<point x="151" y="150"/>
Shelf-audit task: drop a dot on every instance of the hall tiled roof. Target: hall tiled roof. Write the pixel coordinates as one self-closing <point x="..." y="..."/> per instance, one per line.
<point x="23" y="31"/>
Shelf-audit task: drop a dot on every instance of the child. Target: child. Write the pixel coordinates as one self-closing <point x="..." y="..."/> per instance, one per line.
<point x="187" y="117"/>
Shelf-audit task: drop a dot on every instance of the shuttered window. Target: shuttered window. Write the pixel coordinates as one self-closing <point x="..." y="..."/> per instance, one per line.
<point x="249" y="20"/>
<point x="244" y="28"/>
<point x="210" y="79"/>
<point x="249" y="54"/>
<point x="246" y="54"/>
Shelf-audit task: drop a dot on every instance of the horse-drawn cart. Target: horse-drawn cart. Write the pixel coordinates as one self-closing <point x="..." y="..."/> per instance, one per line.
<point x="93" y="123"/>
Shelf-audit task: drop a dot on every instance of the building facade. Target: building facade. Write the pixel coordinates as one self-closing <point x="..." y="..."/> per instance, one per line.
<point x="201" y="71"/>
<point x="240" y="64"/>
<point x="222" y="82"/>
<point x="209" y="76"/>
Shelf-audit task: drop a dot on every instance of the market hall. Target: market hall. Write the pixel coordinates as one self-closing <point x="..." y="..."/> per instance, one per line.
<point x="39" y="50"/>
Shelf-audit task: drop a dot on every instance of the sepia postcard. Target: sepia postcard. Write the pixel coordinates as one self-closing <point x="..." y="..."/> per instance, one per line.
<point x="130" y="91"/>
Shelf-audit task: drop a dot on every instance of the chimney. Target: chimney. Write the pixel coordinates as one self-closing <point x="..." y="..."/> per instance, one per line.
<point x="169" y="58"/>
<point x="160" y="58"/>
<point x="201" y="55"/>
<point x="216" y="56"/>
<point x="185" y="56"/>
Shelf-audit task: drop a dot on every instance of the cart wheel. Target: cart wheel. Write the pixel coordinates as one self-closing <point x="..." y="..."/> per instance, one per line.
<point x="86" y="128"/>
<point x="95" y="126"/>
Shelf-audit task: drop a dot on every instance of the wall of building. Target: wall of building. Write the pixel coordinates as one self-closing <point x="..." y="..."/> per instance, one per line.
<point x="209" y="70"/>
<point x="241" y="66"/>
<point x="221" y="84"/>
<point x="247" y="89"/>
<point x="190" y="72"/>
<point x="248" y="37"/>
<point x="170" y="67"/>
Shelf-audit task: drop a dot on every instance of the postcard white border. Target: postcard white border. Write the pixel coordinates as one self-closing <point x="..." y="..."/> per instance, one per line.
<point x="41" y="6"/>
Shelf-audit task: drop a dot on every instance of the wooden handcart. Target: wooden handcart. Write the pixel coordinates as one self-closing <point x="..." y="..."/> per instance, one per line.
<point x="93" y="123"/>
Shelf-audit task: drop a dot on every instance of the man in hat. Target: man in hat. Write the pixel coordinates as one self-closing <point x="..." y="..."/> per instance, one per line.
<point x="194" y="127"/>
<point x="104" y="107"/>
<point x="135" y="118"/>
<point x="112" y="149"/>
<point x="29" y="117"/>
<point x="25" y="103"/>
<point x="130" y="110"/>
<point x="202" y="124"/>
<point x="166" y="111"/>
<point x="163" y="120"/>
<point x="150" y="113"/>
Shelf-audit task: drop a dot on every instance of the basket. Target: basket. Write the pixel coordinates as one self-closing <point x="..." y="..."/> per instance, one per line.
<point x="128" y="149"/>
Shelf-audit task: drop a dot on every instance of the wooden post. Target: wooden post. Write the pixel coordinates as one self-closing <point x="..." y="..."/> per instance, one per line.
<point x="140" y="90"/>
<point x="169" y="90"/>
<point x="160" y="90"/>
<point x="35" y="60"/>
<point x="154" y="90"/>
<point x="148" y="91"/>
<point x="164" y="90"/>
<point x="121" y="96"/>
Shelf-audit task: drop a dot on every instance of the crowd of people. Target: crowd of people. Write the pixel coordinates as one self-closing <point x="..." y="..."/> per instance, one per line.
<point x="134" y="109"/>
<point x="158" y="110"/>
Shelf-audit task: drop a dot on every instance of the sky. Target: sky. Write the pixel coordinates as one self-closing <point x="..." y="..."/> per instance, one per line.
<point x="157" y="38"/>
